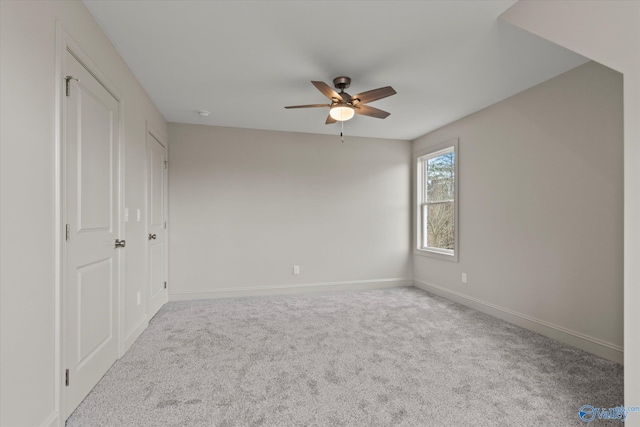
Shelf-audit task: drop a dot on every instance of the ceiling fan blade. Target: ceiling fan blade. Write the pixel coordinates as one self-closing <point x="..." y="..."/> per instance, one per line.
<point x="330" y="120"/>
<point x="309" y="106"/>
<point x="374" y="95"/>
<point x="365" y="110"/>
<point x="327" y="91"/>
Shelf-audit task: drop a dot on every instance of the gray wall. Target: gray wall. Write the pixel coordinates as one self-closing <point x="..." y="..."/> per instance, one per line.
<point x="541" y="205"/>
<point x="248" y="205"/>
<point x="615" y="44"/>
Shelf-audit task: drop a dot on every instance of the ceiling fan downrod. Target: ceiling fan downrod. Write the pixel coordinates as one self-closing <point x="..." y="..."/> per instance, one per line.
<point x="342" y="82"/>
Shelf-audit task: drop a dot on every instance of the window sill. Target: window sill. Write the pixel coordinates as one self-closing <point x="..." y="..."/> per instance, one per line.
<point x="436" y="255"/>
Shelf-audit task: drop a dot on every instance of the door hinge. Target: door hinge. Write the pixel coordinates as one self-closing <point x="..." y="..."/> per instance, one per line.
<point x="165" y="225"/>
<point x="165" y="164"/>
<point x="165" y="285"/>
<point x="66" y="377"/>
<point x="67" y="231"/>
<point x="68" y="85"/>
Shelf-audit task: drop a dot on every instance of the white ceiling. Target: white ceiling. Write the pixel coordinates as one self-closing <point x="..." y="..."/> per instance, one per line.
<point x="245" y="60"/>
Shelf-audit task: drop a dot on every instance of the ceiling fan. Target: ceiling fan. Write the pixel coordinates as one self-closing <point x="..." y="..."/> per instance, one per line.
<point x="343" y="106"/>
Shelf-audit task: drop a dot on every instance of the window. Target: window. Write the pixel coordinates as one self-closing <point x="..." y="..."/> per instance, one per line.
<point x="437" y="201"/>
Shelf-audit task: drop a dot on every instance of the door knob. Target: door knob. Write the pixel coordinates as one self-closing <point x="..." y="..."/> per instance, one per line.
<point x="152" y="236"/>
<point x="120" y="243"/>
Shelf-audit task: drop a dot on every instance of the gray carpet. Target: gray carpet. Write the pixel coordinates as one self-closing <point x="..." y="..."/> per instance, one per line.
<point x="393" y="357"/>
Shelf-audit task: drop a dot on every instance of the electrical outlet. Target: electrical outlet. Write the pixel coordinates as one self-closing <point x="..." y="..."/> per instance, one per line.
<point x="296" y="269"/>
<point x="138" y="297"/>
<point x="464" y="277"/>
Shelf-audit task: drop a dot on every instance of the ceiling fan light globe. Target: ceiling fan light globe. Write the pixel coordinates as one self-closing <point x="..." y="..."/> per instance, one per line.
<point x="341" y="113"/>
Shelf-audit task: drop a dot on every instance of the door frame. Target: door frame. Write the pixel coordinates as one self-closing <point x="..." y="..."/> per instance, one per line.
<point x="151" y="132"/>
<point x="64" y="42"/>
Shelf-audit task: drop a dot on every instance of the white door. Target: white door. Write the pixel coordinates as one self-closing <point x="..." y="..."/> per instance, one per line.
<point x="157" y="224"/>
<point x="92" y="266"/>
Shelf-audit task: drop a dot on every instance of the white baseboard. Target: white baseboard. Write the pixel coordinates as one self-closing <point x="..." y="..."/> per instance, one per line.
<point x="133" y="334"/>
<point x="51" y="421"/>
<point x="353" y="285"/>
<point x="584" y="342"/>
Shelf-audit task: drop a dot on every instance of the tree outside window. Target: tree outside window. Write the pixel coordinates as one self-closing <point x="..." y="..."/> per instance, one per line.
<point x="439" y="207"/>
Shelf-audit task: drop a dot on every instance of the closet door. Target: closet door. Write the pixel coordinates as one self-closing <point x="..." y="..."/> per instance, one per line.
<point x="157" y="224"/>
<point x="92" y="261"/>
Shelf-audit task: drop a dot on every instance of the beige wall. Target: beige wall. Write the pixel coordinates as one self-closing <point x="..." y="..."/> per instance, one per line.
<point x="607" y="32"/>
<point x="27" y="147"/>
<point x="248" y="205"/>
<point x="541" y="207"/>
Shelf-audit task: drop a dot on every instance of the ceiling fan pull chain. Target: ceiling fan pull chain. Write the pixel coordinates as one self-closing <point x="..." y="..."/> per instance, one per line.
<point x="341" y="131"/>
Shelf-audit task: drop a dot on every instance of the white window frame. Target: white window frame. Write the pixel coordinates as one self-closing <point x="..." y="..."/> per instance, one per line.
<point x="419" y="200"/>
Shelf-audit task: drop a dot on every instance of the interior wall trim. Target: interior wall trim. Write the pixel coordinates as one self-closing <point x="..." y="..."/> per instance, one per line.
<point x="351" y="285"/>
<point x="51" y="421"/>
<point x="132" y="335"/>
<point x="576" y="339"/>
